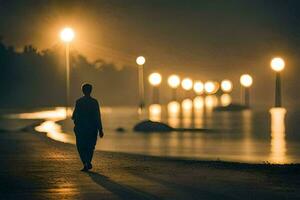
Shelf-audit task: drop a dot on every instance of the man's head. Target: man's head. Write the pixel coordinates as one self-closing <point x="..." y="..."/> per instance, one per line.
<point x="87" y="89"/>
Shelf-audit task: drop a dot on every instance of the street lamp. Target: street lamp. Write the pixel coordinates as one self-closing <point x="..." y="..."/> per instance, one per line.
<point x="155" y="80"/>
<point x="246" y="81"/>
<point x="226" y="86"/>
<point x="187" y="84"/>
<point x="198" y="87"/>
<point x="67" y="35"/>
<point x="174" y="82"/>
<point x="141" y="61"/>
<point x="210" y="87"/>
<point x="277" y="64"/>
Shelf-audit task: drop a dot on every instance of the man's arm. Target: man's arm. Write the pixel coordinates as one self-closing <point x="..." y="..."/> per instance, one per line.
<point x="98" y="120"/>
<point x="74" y="115"/>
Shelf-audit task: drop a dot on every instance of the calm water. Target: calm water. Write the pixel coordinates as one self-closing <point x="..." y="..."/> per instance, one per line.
<point x="247" y="136"/>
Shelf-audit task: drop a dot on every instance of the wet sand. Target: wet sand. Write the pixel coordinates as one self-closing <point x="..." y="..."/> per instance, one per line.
<point x="36" y="167"/>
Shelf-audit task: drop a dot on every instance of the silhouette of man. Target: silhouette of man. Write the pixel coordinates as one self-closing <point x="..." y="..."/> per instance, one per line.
<point x="87" y="120"/>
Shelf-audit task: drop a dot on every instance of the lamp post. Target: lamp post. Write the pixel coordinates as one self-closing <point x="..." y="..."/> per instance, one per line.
<point x="141" y="61"/>
<point x="174" y="82"/>
<point x="226" y="86"/>
<point x="67" y="35"/>
<point x="198" y="87"/>
<point x="210" y="87"/>
<point x="155" y="80"/>
<point x="246" y="81"/>
<point x="187" y="84"/>
<point x="277" y="64"/>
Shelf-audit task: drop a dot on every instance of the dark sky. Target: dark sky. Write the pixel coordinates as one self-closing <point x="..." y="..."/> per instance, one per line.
<point x="211" y="39"/>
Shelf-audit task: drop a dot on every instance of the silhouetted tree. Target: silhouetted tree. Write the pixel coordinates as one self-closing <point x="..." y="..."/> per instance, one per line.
<point x="33" y="78"/>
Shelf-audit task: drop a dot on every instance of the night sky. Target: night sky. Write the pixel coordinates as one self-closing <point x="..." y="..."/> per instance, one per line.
<point x="210" y="39"/>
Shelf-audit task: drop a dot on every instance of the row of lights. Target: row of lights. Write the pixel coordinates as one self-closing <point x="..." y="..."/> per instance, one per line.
<point x="210" y="87"/>
<point x="188" y="84"/>
<point x="67" y="35"/>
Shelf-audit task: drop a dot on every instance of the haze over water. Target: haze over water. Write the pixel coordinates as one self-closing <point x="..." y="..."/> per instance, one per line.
<point x="246" y="136"/>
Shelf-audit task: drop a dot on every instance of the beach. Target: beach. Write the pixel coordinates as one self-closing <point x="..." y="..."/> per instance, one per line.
<point x="36" y="167"/>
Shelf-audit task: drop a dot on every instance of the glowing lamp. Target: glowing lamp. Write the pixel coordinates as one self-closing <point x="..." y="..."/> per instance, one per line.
<point x="226" y="86"/>
<point x="140" y="60"/>
<point x="198" y="87"/>
<point x="187" y="84"/>
<point x="277" y="64"/>
<point x="67" y="35"/>
<point x="246" y="80"/>
<point x="210" y="87"/>
<point x="155" y="79"/>
<point x="174" y="81"/>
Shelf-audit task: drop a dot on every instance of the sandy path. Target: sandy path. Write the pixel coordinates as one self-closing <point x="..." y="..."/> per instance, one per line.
<point x="35" y="167"/>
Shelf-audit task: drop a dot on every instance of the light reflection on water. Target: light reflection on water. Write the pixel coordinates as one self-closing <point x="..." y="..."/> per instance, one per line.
<point x="57" y="113"/>
<point x="241" y="136"/>
<point x="155" y="112"/>
<point x="198" y="104"/>
<point x="50" y="127"/>
<point x="54" y="131"/>
<point x="225" y="99"/>
<point x="278" y="143"/>
<point x="187" y="110"/>
<point x="173" y="114"/>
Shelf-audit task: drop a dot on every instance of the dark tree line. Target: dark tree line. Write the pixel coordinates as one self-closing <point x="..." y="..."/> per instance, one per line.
<point x="33" y="78"/>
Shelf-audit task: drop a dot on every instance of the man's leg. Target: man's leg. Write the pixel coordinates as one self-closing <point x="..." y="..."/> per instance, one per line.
<point x="81" y="150"/>
<point x="90" y="149"/>
<point x="90" y="154"/>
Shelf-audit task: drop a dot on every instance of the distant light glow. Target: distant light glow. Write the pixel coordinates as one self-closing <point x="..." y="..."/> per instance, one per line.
<point x="53" y="131"/>
<point x="187" y="111"/>
<point x="173" y="109"/>
<point x="155" y="79"/>
<point x="246" y="80"/>
<point x="140" y="60"/>
<point x="187" y="104"/>
<point x="67" y="35"/>
<point x="58" y="113"/>
<point x="210" y="87"/>
<point x="198" y="102"/>
<point x="277" y="64"/>
<point x="155" y="112"/>
<point x="174" y="114"/>
<point x="278" y="143"/>
<point x="277" y="119"/>
<point x="225" y="99"/>
<point x="211" y="101"/>
<point x="187" y="84"/>
<point x="174" y="81"/>
<point x="226" y="86"/>
<point x="198" y="87"/>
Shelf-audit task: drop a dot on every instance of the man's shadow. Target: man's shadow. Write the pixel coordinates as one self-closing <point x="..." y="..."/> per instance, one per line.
<point x="122" y="191"/>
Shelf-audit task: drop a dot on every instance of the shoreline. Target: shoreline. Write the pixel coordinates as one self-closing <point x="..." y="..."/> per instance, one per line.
<point x="31" y="128"/>
<point x="37" y="167"/>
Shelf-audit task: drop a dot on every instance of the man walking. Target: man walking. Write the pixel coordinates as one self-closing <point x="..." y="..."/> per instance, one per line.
<point x="87" y="120"/>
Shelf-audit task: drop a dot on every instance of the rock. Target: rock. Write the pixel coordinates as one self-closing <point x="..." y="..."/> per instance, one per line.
<point x="151" y="126"/>
<point x="232" y="107"/>
<point x="120" y="129"/>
